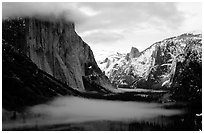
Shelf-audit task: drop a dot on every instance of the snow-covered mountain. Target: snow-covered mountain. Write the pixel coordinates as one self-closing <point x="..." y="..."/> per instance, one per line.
<point x="155" y="66"/>
<point x="109" y="61"/>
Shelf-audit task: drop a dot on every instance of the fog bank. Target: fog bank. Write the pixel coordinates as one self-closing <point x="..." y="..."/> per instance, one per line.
<point x="74" y="108"/>
<point x="65" y="110"/>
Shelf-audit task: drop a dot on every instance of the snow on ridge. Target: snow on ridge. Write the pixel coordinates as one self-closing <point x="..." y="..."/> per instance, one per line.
<point x="101" y="55"/>
<point x="118" y="68"/>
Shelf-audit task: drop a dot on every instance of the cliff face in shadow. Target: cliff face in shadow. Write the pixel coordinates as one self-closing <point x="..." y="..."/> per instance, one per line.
<point x="187" y="80"/>
<point x="55" y="48"/>
<point x="24" y="84"/>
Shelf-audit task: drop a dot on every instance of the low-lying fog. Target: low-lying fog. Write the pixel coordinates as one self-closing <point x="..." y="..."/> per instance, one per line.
<point x="75" y="109"/>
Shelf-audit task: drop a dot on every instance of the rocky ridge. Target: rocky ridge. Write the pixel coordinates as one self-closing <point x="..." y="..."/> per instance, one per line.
<point x="156" y="66"/>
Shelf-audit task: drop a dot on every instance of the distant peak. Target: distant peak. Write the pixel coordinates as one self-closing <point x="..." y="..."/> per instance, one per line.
<point x="134" y="52"/>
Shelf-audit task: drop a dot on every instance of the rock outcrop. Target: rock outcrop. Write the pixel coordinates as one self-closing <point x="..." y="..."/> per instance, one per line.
<point x="134" y="52"/>
<point x="55" y="47"/>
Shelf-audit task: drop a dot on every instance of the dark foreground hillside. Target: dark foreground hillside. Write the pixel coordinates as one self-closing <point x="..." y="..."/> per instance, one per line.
<point x="24" y="84"/>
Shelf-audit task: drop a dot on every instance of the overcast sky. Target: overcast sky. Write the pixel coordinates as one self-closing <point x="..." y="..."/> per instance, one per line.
<point x="119" y="26"/>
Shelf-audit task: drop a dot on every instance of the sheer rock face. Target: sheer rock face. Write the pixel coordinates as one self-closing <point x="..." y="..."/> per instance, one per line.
<point x="24" y="84"/>
<point x="157" y="65"/>
<point x="55" y="47"/>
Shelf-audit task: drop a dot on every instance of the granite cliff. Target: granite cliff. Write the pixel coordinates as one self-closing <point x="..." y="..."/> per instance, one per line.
<point x="24" y="84"/>
<point x="55" y="47"/>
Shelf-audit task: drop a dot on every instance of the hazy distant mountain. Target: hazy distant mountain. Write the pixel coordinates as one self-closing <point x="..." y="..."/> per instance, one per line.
<point x="156" y="66"/>
<point x="108" y="59"/>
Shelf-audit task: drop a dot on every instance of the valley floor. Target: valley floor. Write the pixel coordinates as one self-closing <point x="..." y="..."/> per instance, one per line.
<point x="105" y="115"/>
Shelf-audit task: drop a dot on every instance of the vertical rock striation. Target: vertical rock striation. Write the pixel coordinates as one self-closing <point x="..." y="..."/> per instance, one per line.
<point x="55" y="47"/>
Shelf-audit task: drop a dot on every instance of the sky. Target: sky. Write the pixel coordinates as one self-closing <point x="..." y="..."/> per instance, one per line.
<point x="118" y="26"/>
